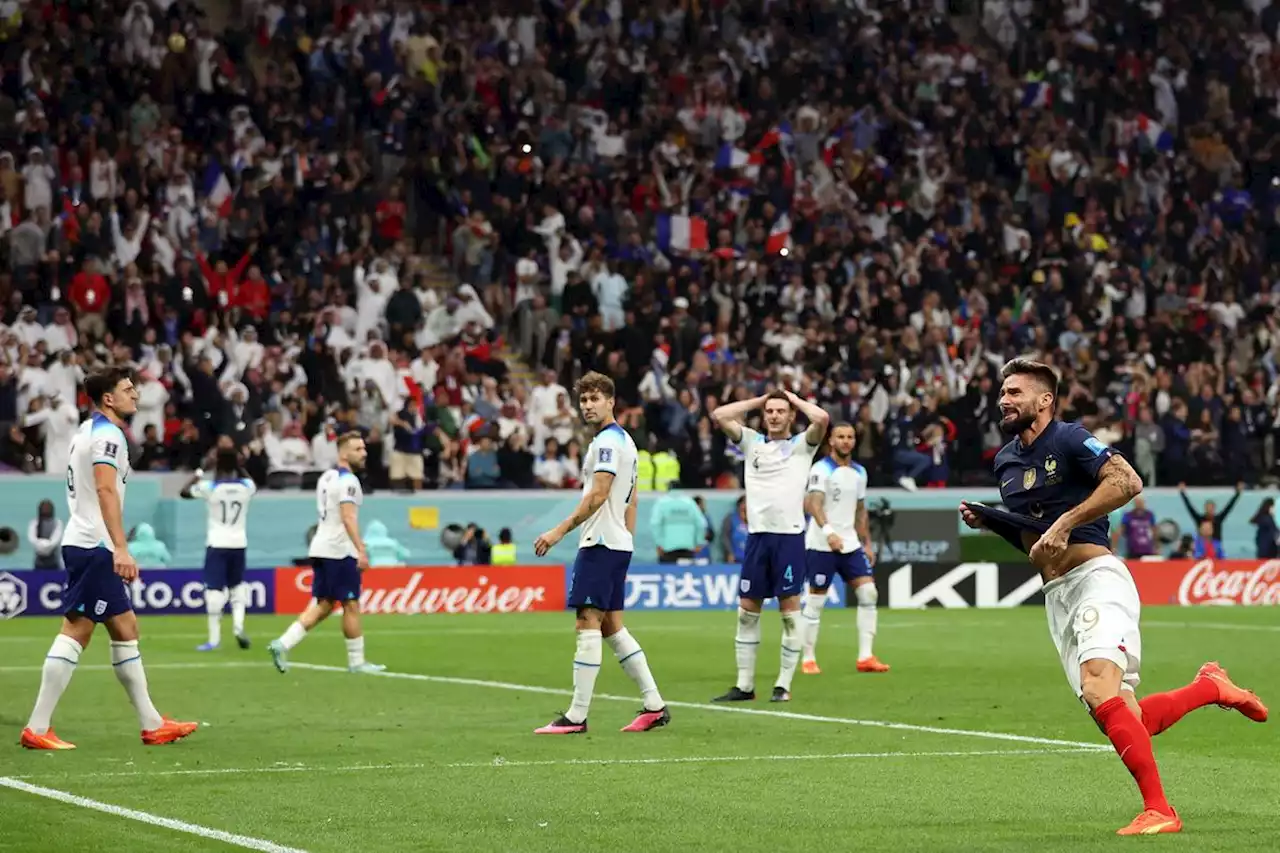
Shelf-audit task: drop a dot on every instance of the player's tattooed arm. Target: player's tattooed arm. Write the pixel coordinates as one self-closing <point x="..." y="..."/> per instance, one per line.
<point x="814" y="506"/>
<point x="591" y="502"/>
<point x="1118" y="484"/>
<point x="632" y="510"/>
<point x="728" y="418"/>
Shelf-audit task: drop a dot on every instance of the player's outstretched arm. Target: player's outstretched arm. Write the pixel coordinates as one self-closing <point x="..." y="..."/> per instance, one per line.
<point x="590" y="504"/>
<point x="818" y="418"/>
<point x="728" y="418"/>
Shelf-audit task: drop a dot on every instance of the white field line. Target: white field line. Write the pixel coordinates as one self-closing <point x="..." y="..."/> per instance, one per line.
<point x="499" y="763"/>
<point x="442" y="631"/>
<point x="731" y="709"/>
<point x="197" y="664"/>
<point x="1217" y="626"/>
<point x="231" y="838"/>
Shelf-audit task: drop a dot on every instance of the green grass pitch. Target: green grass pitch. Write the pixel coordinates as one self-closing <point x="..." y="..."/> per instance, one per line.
<point x="327" y="762"/>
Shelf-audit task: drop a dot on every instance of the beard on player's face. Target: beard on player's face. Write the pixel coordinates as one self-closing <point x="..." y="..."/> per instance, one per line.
<point x="1014" y="420"/>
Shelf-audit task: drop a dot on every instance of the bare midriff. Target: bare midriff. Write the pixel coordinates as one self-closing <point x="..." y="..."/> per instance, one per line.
<point x="1077" y="553"/>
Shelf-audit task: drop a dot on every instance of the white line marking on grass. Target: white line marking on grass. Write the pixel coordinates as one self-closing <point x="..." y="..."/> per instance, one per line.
<point x="197" y="664"/>
<point x="442" y="631"/>
<point x="731" y="709"/>
<point x="151" y="820"/>
<point x="1220" y="626"/>
<point x="499" y="763"/>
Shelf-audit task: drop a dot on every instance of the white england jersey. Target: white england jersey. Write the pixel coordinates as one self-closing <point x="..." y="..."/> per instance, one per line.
<point x="97" y="442"/>
<point x="337" y="486"/>
<point x="611" y="451"/>
<point x="228" y="511"/>
<point x="842" y="486"/>
<point x="777" y="472"/>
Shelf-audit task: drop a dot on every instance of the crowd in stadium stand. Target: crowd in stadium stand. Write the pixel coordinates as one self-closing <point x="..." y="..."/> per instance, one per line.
<point x="425" y="221"/>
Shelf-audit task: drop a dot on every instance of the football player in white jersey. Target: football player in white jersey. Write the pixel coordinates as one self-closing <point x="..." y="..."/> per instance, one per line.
<point x="228" y="495"/>
<point x="607" y="514"/>
<point x="837" y="545"/>
<point x="338" y="558"/>
<point x="95" y="551"/>
<point x="777" y="469"/>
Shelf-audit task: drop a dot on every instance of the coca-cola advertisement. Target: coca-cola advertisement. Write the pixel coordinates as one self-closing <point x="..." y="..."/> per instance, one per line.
<point x="1246" y="583"/>
<point x="439" y="589"/>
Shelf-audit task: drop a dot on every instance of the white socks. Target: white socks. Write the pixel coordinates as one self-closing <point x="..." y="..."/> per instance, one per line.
<point x="127" y="663"/>
<point x="239" y="601"/>
<point x="355" y="651"/>
<point x="214" y="601"/>
<point x="746" y="645"/>
<point x="293" y="635"/>
<point x="811" y="619"/>
<point x="792" y="642"/>
<point x="867" y="596"/>
<point x="632" y="659"/>
<point x="59" y="666"/>
<point x="586" y="666"/>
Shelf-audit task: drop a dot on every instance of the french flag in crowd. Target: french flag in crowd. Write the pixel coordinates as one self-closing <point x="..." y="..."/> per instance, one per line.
<point x="682" y="233"/>
<point x="1160" y="139"/>
<point x="729" y="157"/>
<point x="217" y="189"/>
<point x="1037" y="94"/>
<point x="779" y="236"/>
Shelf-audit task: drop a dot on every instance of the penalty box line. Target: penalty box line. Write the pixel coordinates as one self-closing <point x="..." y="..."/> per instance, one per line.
<point x="730" y="709"/>
<point x="243" y="841"/>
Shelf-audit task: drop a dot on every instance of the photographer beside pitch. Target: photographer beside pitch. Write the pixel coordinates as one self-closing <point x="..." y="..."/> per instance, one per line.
<point x="1059" y="484"/>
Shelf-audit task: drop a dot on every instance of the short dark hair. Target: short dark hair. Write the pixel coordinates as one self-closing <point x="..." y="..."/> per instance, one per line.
<point x="1038" y="370"/>
<point x="348" y="437"/>
<point x="594" y="381"/>
<point x="777" y="395"/>
<point x="228" y="460"/>
<point x="504" y="536"/>
<point x="104" y="380"/>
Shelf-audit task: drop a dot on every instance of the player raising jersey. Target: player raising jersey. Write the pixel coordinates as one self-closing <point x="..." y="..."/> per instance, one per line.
<point x="607" y="514"/>
<point x="228" y="495"/>
<point x="837" y="545"/>
<point x="1059" y="484"/>
<point x="96" y="554"/>
<point x="777" y="469"/>
<point x="338" y="557"/>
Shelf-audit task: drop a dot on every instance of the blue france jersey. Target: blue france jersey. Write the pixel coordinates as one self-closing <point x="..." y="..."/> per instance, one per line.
<point x="1057" y="472"/>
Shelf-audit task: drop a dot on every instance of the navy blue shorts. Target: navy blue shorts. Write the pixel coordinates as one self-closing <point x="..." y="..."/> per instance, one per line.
<point x="223" y="567"/>
<point x="335" y="580"/>
<point x="825" y="567"/>
<point x="93" y="590"/>
<point x="773" y="566"/>
<point x="599" y="579"/>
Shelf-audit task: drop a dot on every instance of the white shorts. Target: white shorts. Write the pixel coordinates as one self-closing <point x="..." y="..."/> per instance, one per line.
<point x="1093" y="614"/>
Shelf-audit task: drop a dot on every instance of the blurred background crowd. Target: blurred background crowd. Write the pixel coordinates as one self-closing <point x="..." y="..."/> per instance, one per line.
<point x="424" y="220"/>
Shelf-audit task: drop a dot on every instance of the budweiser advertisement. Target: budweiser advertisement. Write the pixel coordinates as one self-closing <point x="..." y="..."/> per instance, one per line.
<point x="1247" y="583"/>
<point x="439" y="589"/>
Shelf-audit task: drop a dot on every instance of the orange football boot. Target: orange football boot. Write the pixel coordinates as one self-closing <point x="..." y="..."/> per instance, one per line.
<point x="169" y="732"/>
<point x="1231" y="696"/>
<point x="872" y="664"/>
<point x="1152" y="822"/>
<point x="810" y="667"/>
<point x="48" y="740"/>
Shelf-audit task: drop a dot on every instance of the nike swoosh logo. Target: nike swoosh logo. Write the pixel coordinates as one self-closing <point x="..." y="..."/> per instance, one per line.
<point x="1006" y="482"/>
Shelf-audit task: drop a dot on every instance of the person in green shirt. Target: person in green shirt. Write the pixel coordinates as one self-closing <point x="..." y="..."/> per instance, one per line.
<point x="679" y="527"/>
<point x="382" y="549"/>
<point x="149" y="551"/>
